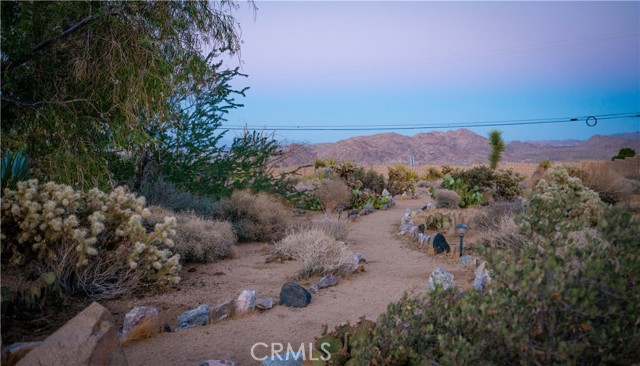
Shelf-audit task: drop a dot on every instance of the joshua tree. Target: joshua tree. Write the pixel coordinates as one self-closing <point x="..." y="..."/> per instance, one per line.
<point x="497" y="147"/>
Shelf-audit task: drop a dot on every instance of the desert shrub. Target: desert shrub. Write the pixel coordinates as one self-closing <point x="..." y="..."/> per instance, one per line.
<point x="197" y="239"/>
<point x="348" y="171"/>
<point x="433" y="174"/>
<point x="447" y="199"/>
<point x="490" y="220"/>
<point x="535" y="312"/>
<point x="625" y="152"/>
<point x="361" y="198"/>
<point x="507" y="185"/>
<point x="320" y="253"/>
<point x="94" y="241"/>
<point x="254" y="217"/>
<point x="14" y="169"/>
<point x="335" y="228"/>
<point x="371" y="180"/>
<point x="167" y="195"/>
<point x="401" y="180"/>
<point x="423" y="184"/>
<point x="480" y="176"/>
<point x="332" y="193"/>
<point x="545" y="164"/>
<point x="507" y="234"/>
<point x="599" y="177"/>
<point x="565" y="199"/>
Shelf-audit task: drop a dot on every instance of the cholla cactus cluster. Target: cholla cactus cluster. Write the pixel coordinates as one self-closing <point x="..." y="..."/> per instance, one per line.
<point x="567" y="194"/>
<point x="37" y="218"/>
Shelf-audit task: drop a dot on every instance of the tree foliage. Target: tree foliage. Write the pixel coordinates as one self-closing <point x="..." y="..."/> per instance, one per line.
<point x="497" y="148"/>
<point x="84" y="82"/>
<point x="625" y="152"/>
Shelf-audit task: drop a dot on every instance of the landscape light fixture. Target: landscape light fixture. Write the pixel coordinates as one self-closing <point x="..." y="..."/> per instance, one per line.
<point x="461" y="229"/>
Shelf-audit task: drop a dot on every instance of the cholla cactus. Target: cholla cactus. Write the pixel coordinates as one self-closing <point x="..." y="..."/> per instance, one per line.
<point x="37" y="219"/>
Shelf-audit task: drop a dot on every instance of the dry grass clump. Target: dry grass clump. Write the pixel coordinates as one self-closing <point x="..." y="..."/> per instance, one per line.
<point x="197" y="239"/>
<point x="255" y="217"/>
<point x="333" y="192"/>
<point x="490" y="220"/>
<point x="320" y="253"/>
<point x="601" y="178"/>
<point x="147" y="328"/>
<point x="337" y="229"/>
<point x="447" y="199"/>
<point x="507" y="236"/>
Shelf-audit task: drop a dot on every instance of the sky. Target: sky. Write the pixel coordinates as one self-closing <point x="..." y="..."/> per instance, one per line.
<point x="408" y="67"/>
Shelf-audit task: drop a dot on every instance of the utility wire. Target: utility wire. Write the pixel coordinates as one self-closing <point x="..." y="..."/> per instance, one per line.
<point x="590" y="120"/>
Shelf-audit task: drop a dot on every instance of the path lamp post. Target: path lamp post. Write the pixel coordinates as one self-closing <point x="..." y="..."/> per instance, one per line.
<point x="461" y="229"/>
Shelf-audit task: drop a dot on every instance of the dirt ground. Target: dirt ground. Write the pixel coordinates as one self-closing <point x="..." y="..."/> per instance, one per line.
<point x="392" y="268"/>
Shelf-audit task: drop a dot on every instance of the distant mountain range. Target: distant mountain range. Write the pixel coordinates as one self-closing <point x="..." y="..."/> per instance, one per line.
<point x="457" y="147"/>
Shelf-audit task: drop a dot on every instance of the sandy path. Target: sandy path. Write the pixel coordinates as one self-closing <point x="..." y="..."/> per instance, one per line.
<point x="392" y="269"/>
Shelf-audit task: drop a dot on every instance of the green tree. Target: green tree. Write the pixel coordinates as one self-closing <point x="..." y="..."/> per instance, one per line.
<point x="497" y="148"/>
<point x="625" y="152"/>
<point x="84" y="82"/>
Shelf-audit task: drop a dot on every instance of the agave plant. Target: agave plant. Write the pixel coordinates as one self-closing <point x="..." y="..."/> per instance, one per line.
<point x="14" y="169"/>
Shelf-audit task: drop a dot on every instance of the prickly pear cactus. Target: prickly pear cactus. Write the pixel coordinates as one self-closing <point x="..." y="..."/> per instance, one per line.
<point x="438" y="221"/>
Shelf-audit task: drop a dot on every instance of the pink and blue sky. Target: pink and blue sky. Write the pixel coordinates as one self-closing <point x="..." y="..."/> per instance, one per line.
<point x="384" y="66"/>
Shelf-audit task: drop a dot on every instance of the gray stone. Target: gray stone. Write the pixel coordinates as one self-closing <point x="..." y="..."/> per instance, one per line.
<point x="223" y="311"/>
<point x="385" y="193"/>
<point x="246" y="301"/>
<point x="406" y="225"/>
<point x="292" y="294"/>
<point x="482" y="278"/>
<point x="440" y="277"/>
<point x="407" y="212"/>
<point x="353" y="214"/>
<point x="139" y="314"/>
<point x="265" y="304"/>
<point x="328" y="281"/>
<point x="465" y="259"/>
<point x="218" y="363"/>
<point x="385" y="206"/>
<point x="313" y="288"/>
<point x="287" y="359"/>
<point x="87" y="339"/>
<point x="368" y="208"/>
<point x="197" y="316"/>
<point x="360" y="257"/>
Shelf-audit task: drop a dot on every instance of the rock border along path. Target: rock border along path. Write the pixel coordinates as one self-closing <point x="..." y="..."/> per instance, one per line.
<point x="392" y="268"/>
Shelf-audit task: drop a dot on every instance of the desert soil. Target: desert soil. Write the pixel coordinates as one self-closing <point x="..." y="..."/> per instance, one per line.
<point x="392" y="268"/>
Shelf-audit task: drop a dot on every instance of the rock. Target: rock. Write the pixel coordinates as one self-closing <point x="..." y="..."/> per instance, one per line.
<point x="246" y="301"/>
<point x="292" y="294"/>
<point x="360" y="257"/>
<point x="422" y="239"/>
<point x="385" y="193"/>
<point x="15" y="352"/>
<point x="440" y="244"/>
<point x="287" y="359"/>
<point x="265" y="304"/>
<point x="87" y="339"/>
<point x="440" y="277"/>
<point x="465" y="259"/>
<point x="313" y="288"/>
<point x="368" y="208"/>
<point x="407" y="212"/>
<point x="482" y="278"/>
<point x="197" y="316"/>
<point x="223" y="311"/>
<point x="218" y="363"/>
<point x="139" y="314"/>
<point x="421" y="228"/>
<point x="353" y="214"/>
<point x="385" y="206"/>
<point x="407" y="225"/>
<point x="328" y="281"/>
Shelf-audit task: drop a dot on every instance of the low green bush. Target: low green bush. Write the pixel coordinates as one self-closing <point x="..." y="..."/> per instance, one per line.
<point x="162" y="193"/>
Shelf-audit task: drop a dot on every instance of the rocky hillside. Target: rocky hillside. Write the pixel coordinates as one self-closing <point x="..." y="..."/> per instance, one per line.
<point x="458" y="147"/>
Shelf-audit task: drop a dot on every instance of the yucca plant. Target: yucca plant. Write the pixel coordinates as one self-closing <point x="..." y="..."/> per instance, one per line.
<point x="14" y="169"/>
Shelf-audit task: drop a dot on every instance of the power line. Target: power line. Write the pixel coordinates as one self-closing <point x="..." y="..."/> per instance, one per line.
<point x="590" y="120"/>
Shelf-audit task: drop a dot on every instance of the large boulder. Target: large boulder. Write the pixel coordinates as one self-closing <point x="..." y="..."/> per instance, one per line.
<point x="292" y="294"/>
<point x="90" y="338"/>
